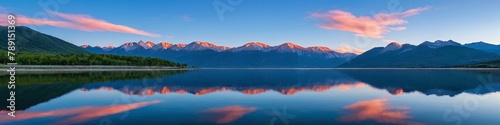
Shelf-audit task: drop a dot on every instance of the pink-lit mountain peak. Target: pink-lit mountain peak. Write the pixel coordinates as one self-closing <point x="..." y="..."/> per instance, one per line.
<point x="162" y="45"/>
<point x="253" y="46"/>
<point x="165" y="45"/>
<point x="319" y="48"/>
<point x="129" y="44"/>
<point x="291" y="46"/>
<point x="146" y="45"/>
<point x="109" y="47"/>
<point x="150" y="44"/>
<point x="180" y="45"/>
<point x="198" y="45"/>
<point x="256" y="44"/>
<point x="393" y="46"/>
<point x="201" y="45"/>
<point x="205" y="44"/>
<point x="396" y="44"/>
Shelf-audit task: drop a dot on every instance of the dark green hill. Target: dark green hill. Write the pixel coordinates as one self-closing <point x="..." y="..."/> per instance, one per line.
<point x="29" y="40"/>
<point x="421" y="57"/>
<point x="26" y="58"/>
<point x="488" y="64"/>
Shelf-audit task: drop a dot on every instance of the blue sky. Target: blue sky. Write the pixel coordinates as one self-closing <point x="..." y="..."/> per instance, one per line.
<point x="269" y="21"/>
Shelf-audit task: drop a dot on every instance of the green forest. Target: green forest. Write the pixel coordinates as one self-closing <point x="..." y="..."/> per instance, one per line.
<point x="26" y="58"/>
<point x="489" y="64"/>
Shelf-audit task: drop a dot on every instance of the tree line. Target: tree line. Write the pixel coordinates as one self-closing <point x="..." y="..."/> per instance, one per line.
<point x="26" y="58"/>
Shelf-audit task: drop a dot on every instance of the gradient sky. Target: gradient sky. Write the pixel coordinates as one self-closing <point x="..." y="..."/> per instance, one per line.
<point x="327" y="23"/>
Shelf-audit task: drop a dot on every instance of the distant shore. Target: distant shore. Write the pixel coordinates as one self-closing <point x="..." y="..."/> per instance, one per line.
<point x="43" y="68"/>
<point x="359" y="68"/>
<point x="64" y="68"/>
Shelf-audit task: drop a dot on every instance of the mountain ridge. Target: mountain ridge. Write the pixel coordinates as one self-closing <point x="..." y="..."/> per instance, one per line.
<point x="198" y="45"/>
<point x="29" y="40"/>
<point x="427" y="54"/>
<point x="252" y="54"/>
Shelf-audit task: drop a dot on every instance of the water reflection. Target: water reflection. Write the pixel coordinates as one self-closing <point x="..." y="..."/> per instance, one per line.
<point x="165" y="89"/>
<point x="289" y="82"/>
<point x="430" y="82"/>
<point x="249" y="96"/>
<point x="35" y="88"/>
<point x="378" y="110"/>
<point x="226" y="114"/>
<point x="79" y="114"/>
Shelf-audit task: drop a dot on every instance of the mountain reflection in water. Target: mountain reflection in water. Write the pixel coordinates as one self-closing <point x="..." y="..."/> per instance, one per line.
<point x="251" y="96"/>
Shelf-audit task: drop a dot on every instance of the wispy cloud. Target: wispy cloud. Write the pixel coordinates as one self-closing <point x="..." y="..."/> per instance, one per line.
<point x="170" y="37"/>
<point x="2" y="9"/>
<point x="365" y="26"/>
<point x="186" y="18"/>
<point x="78" y="22"/>
<point x="347" y="49"/>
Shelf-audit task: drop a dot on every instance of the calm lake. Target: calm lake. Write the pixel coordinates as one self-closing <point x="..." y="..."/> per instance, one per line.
<point x="257" y="97"/>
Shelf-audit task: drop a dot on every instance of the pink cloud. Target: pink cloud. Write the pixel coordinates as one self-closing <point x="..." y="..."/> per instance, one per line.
<point x="227" y="114"/>
<point x="365" y="26"/>
<point x="347" y="49"/>
<point x="79" y="22"/>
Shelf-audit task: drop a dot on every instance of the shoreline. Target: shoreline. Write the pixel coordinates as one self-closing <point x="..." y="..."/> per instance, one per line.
<point x="65" y="68"/>
<point x="354" y="68"/>
<point x="42" y="68"/>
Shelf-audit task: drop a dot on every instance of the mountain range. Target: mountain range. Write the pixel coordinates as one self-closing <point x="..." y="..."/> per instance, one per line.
<point x="253" y="54"/>
<point x="287" y="55"/>
<point x="427" y="54"/>
<point x="484" y="46"/>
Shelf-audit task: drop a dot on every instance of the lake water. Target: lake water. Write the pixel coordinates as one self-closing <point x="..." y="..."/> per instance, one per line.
<point x="258" y="97"/>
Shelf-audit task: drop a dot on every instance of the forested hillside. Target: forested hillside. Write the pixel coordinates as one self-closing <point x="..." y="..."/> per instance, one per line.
<point x="26" y="58"/>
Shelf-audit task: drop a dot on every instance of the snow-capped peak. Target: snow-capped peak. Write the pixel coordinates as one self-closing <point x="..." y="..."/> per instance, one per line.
<point x="287" y="47"/>
<point x="146" y="45"/>
<point x="291" y="46"/>
<point x="178" y="47"/>
<point x="129" y="46"/>
<point x="393" y="46"/>
<point x="198" y="45"/>
<point x="253" y="46"/>
<point x="319" y="49"/>
<point x="85" y="46"/>
<point x="150" y="44"/>
<point x="257" y="44"/>
<point x="440" y="43"/>
<point x="107" y="48"/>
<point x="162" y="45"/>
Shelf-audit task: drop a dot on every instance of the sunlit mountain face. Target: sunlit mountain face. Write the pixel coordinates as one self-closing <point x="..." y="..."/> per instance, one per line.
<point x="252" y="54"/>
<point x="251" y="96"/>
